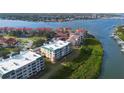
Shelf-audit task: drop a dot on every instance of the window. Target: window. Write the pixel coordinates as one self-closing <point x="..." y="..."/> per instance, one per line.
<point x="34" y="69"/>
<point x="35" y="72"/>
<point x="30" y="74"/>
<point x="25" y="74"/>
<point x="42" y="63"/>
<point x="13" y="73"/>
<point x="24" y="67"/>
<point x="29" y="68"/>
<point x="24" y="71"/>
<point x="20" y="77"/>
<point x="19" y="70"/>
<point x="13" y="77"/>
<point x="33" y="64"/>
<point x="19" y="74"/>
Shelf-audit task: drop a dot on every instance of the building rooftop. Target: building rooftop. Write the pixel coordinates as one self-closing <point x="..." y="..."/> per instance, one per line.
<point x="81" y="30"/>
<point x="73" y="38"/>
<point x="7" y="40"/>
<point x="56" y="44"/>
<point x="17" y="61"/>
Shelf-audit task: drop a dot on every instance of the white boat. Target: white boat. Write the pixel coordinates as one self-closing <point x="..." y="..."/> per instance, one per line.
<point x="120" y="42"/>
<point x="122" y="50"/>
<point x="118" y="39"/>
<point x="111" y="35"/>
<point x="122" y="46"/>
<point x="115" y="37"/>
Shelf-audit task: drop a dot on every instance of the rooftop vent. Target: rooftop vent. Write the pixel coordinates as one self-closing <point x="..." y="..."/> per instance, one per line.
<point x="26" y="58"/>
<point x="56" y="46"/>
<point x="61" y="44"/>
<point x="44" y="44"/>
<point x="50" y="42"/>
<point x="5" y="69"/>
<point x="15" y="63"/>
<point x="35" y="55"/>
<point x="51" y="48"/>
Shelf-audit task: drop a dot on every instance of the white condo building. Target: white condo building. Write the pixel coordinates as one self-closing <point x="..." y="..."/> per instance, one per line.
<point x="56" y="49"/>
<point x="21" y="66"/>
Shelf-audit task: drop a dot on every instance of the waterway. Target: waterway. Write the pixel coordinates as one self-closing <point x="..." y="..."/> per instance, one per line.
<point x="113" y="61"/>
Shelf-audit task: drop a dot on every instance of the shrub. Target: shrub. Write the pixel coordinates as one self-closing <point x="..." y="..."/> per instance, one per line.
<point x="86" y="65"/>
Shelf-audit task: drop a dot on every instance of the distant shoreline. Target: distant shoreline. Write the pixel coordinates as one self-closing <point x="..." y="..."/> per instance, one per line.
<point x="56" y="17"/>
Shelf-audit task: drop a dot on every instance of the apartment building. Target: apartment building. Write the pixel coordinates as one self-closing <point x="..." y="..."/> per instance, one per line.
<point x="76" y="38"/>
<point x="56" y="49"/>
<point x="21" y="66"/>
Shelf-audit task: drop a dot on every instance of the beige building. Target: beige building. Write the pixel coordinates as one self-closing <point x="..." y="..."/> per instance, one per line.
<point x="77" y="38"/>
<point x="56" y="49"/>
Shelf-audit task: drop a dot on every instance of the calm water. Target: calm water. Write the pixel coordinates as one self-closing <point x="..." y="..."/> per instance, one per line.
<point x="113" y="63"/>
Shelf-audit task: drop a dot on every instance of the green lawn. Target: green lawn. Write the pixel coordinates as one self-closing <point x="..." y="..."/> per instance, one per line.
<point x="120" y="32"/>
<point x="121" y="35"/>
<point x="53" y="68"/>
<point x="37" y="40"/>
<point x="86" y="65"/>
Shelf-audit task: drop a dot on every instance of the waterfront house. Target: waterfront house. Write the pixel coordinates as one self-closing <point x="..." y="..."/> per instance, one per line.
<point x="76" y="38"/>
<point x="4" y="42"/>
<point x="11" y="41"/>
<point x="62" y="33"/>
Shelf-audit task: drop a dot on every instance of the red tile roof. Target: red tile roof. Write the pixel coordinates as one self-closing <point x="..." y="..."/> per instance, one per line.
<point x="80" y="30"/>
<point x="11" y="41"/>
<point x="7" y="41"/>
<point x="2" y="40"/>
<point x="25" y="29"/>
